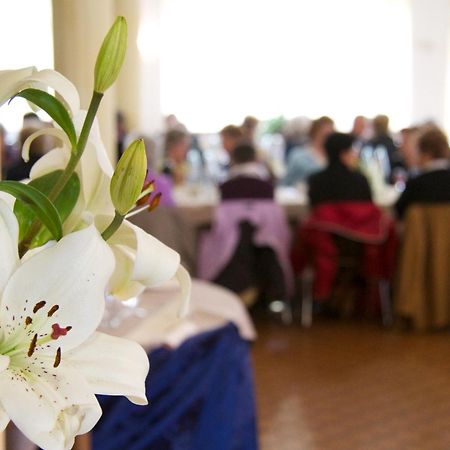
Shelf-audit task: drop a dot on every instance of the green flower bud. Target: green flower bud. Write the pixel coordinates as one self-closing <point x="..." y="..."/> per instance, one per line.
<point x="111" y="55"/>
<point x="129" y="177"/>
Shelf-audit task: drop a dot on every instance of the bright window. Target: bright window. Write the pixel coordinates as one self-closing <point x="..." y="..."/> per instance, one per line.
<point x="27" y="40"/>
<point x="222" y="60"/>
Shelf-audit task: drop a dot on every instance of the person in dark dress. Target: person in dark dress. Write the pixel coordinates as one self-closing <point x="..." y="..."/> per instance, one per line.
<point x="433" y="183"/>
<point x="248" y="177"/>
<point x="339" y="181"/>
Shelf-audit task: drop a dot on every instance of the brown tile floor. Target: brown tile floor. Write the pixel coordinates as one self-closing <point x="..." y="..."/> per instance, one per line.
<point x="351" y="386"/>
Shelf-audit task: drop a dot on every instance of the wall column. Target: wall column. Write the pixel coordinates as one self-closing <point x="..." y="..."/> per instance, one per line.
<point x="430" y="27"/>
<point x="79" y="27"/>
<point x="139" y="89"/>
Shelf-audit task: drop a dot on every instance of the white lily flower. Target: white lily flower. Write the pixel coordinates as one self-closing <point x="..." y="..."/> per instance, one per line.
<point x="95" y="171"/>
<point x="51" y="304"/>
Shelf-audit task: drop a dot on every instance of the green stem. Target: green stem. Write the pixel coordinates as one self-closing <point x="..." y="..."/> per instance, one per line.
<point x="113" y="226"/>
<point x="76" y="154"/>
<point x="79" y="149"/>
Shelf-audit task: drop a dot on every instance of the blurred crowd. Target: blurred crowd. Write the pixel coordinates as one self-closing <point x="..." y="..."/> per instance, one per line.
<point x="343" y="174"/>
<point x="333" y="165"/>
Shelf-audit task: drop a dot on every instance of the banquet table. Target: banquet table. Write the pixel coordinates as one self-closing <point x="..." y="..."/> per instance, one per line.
<point x="181" y="226"/>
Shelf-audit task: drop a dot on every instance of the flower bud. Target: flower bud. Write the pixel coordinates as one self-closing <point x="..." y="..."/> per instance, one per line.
<point x="129" y="177"/>
<point x="111" y="55"/>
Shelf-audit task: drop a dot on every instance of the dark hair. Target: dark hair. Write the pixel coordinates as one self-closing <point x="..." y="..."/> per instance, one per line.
<point x="30" y="116"/>
<point x="244" y="153"/>
<point x="336" y="144"/>
<point x="434" y="142"/>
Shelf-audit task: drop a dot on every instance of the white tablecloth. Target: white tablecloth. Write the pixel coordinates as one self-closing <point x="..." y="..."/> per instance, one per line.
<point x="154" y="322"/>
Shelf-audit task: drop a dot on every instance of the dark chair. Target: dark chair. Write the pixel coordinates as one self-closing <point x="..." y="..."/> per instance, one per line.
<point x="349" y="280"/>
<point x="254" y="272"/>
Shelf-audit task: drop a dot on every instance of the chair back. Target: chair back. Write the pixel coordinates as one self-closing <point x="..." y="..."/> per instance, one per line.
<point x="268" y="229"/>
<point x="422" y="291"/>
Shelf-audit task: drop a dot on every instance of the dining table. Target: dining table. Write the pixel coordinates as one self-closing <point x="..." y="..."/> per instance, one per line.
<point x="181" y="226"/>
<point x="200" y="385"/>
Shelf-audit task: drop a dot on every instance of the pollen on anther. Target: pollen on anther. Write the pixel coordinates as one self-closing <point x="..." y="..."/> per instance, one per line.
<point x="32" y="345"/>
<point x="28" y="320"/>
<point x="52" y="310"/>
<point x="57" y="357"/>
<point x="38" y="306"/>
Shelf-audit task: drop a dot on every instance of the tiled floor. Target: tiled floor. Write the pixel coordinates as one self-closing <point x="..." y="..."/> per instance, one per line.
<point x="351" y="386"/>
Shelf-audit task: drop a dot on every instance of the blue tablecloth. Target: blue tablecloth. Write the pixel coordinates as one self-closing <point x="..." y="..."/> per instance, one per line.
<point x="201" y="398"/>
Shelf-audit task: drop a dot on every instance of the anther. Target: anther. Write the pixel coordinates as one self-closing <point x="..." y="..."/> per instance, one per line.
<point x="32" y="345"/>
<point x="39" y="306"/>
<point x="28" y="320"/>
<point x="52" y="310"/>
<point x="155" y="202"/>
<point x="57" y="358"/>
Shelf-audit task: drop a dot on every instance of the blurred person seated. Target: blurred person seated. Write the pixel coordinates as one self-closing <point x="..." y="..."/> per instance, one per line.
<point x="32" y="120"/>
<point x="295" y="134"/>
<point x="433" y="183"/>
<point x="176" y="146"/>
<point x="344" y="228"/>
<point x="121" y="133"/>
<point x="248" y="127"/>
<point x="382" y="142"/>
<point x="248" y="178"/>
<point x="163" y="185"/>
<point x="359" y="131"/>
<point x="231" y="136"/>
<point x="408" y="150"/>
<point x="340" y="181"/>
<point x="20" y="170"/>
<point x="304" y="161"/>
<point x="247" y="249"/>
<point x="6" y="154"/>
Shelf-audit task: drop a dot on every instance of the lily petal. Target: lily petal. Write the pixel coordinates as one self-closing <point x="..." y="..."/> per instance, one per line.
<point x="60" y="84"/>
<point x="184" y="279"/>
<point x="55" y="159"/>
<point x="154" y="262"/>
<point x="56" y="132"/>
<point x="121" y="369"/>
<point x="49" y="409"/>
<point x="9" y="233"/>
<point x="11" y="81"/>
<point x="4" y="419"/>
<point x="121" y="286"/>
<point x="72" y="275"/>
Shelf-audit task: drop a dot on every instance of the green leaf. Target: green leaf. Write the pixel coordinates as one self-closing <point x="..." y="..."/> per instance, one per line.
<point x="54" y="108"/>
<point x="41" y="206"/>
<point x="64" y="204"/>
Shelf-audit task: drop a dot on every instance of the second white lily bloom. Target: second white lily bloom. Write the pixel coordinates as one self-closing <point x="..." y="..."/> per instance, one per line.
<point x="141" y="260"/>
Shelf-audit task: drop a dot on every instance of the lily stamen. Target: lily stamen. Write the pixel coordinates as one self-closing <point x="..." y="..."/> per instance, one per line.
<point x="57" y="358"/>
<point x="38" y="306"/>
<point x="32" y="345"/>
<point x="52" y="310"/>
